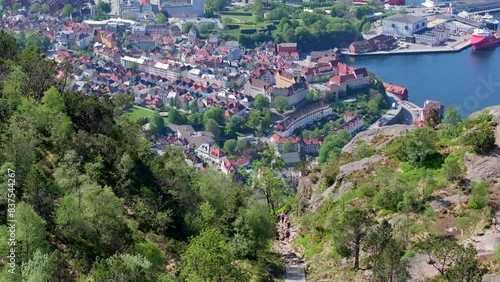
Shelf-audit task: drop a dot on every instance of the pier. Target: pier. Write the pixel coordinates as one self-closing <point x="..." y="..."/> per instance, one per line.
<point x="416" y="49"/>
<point x="477" y="6"/>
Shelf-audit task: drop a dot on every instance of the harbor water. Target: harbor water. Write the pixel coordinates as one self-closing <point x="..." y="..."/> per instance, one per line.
<point x="469" y="80"/>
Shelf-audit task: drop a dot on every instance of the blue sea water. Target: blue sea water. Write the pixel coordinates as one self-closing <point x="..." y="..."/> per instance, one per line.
<point x="469" y="80"/>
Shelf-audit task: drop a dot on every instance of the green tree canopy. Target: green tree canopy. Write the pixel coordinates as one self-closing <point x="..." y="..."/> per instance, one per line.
<point x="288" y="147"/>
<point x="36" y="7"/>
<point x="160" y="18"/>
<point x="66" y="11"/>
<point x="481" y="139"/>
<point x="230" y="146"/>
<point x="332" y="145"/>
<point x="261" y="102"/>
<point x="209" y="258"/>
<point x="253" y="119"/>
<point x="93" y="215"/>
<point x="158" y="123"/>
<point x="352" y="228"/>
<point x="452" y="115"/>
<point x="418" y="146"/>
<point x="30" y="232"/>
<point x="212" y="126"/>
<point x="176" y="117"/>
<point x="214" y="113"/>
<point x="281" y="103"/>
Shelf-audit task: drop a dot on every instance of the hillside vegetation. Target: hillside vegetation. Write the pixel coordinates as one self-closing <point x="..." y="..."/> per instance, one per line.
<point x="92" y="202"/>
<point x="408" y="199"/>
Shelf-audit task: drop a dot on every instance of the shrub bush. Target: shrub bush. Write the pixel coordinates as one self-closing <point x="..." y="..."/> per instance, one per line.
<point x="479" y="195"/>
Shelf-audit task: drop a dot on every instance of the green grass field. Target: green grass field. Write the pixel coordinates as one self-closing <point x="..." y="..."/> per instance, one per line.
<point x="249" y="24"/>
<point x="137" y="112"/>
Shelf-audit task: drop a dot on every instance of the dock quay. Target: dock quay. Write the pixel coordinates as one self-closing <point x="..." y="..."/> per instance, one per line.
<point x="416" y="49"/>
<point x="477" y="6"/>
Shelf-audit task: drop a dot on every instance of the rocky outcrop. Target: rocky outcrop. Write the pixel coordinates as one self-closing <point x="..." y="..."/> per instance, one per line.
<point x="379" y="137"/>
<point x="482" y="167"/>
<point x="491" y="278"/>
<point x="346" y="170"/>
<point x="493" y="110"/>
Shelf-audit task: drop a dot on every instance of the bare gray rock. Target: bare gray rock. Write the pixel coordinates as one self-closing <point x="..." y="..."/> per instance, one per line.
<point x="491" y="278"/>
<point x="493" y="110"/>
<point x="385" y="133"/>
<point x="482" y="167"/>
<point x="442" y="203"/>
<point x="419" y="268"/>
<point x="349" y="168"/>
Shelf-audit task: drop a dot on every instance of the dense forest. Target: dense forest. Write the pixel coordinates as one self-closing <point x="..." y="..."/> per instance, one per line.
<point x="92" y="202"/>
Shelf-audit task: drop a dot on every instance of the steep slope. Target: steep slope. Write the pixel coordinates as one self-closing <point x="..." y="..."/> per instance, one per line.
<point x="426" y="183"/>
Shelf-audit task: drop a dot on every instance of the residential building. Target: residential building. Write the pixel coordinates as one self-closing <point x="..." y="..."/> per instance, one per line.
<point x="433" y="37"/>
<point x="353" y="124"/>
<point x="400" y="91"/>
<point x="403" y="25"/>
<point x="302" y="118"/>
<point x="254" y="87"/>
<point x="285" y="49"/>
<point x="285" y="79"/>
<point x="430" y="105"/>
<point x="210" y="154"/>
<point x="294" y="93"/>
<point x="458" y="28"/>
<point x="377" y="43"/>
<point x="310" y="146"/>
<point x="107" y="38"/>
<point x="230" y="167"/>
<point x="279" y="141"/>
<point x="354" y="79"/>
<point x="264" y="74"/>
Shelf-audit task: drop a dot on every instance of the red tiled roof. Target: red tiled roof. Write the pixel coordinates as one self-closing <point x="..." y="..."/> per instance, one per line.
<point x="395" y="88"/>
<point x="279" y="139"/>
<point x="216" y="152"/>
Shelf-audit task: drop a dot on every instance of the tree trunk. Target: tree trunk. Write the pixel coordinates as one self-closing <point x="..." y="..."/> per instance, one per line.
<point x="356" y="253"/>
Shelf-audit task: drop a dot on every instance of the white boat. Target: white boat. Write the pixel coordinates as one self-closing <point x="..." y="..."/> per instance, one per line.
<point x="464" y="14"/>
<point x="435" y="3"/>
<point x="487" y="16"/>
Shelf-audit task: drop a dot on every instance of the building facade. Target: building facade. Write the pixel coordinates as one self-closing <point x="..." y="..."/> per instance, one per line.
<point x="300" y="119"/>
<point x="403" y="26"/>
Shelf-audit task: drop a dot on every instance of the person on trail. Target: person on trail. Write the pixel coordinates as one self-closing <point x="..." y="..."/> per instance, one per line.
<point x="279" y="217"/>
<point x="288" y="224"/>
<point x="277" y="235"/>
<point x="287" y="235"/>
<point x="494" y="224"/>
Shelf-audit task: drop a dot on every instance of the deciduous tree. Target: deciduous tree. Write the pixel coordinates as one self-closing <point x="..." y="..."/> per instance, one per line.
<point x="230" y="146"/>
<point x="261" y="102"/>
<point x="158" y="123"/>
<point x="66" y="11"/>
<point x="418" y="146"/>
<point x="353" y="227"/>
<point x="281" y="103"/>
<point x="212" y="126"/>
<point x="209" y="258"/>
<point x="288" y="147"/>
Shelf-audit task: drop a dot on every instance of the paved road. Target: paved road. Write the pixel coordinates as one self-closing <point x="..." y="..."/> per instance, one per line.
<point x="295" y="273"/>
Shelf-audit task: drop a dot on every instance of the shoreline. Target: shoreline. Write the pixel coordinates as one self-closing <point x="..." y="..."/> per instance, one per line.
<point x="456" y="48"/>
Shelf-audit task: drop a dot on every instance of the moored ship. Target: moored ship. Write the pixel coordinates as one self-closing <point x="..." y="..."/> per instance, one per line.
<point x="484" y="39"/>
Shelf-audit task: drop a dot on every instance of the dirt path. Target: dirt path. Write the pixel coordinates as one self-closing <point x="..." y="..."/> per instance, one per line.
<point x="295" y="264"/>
